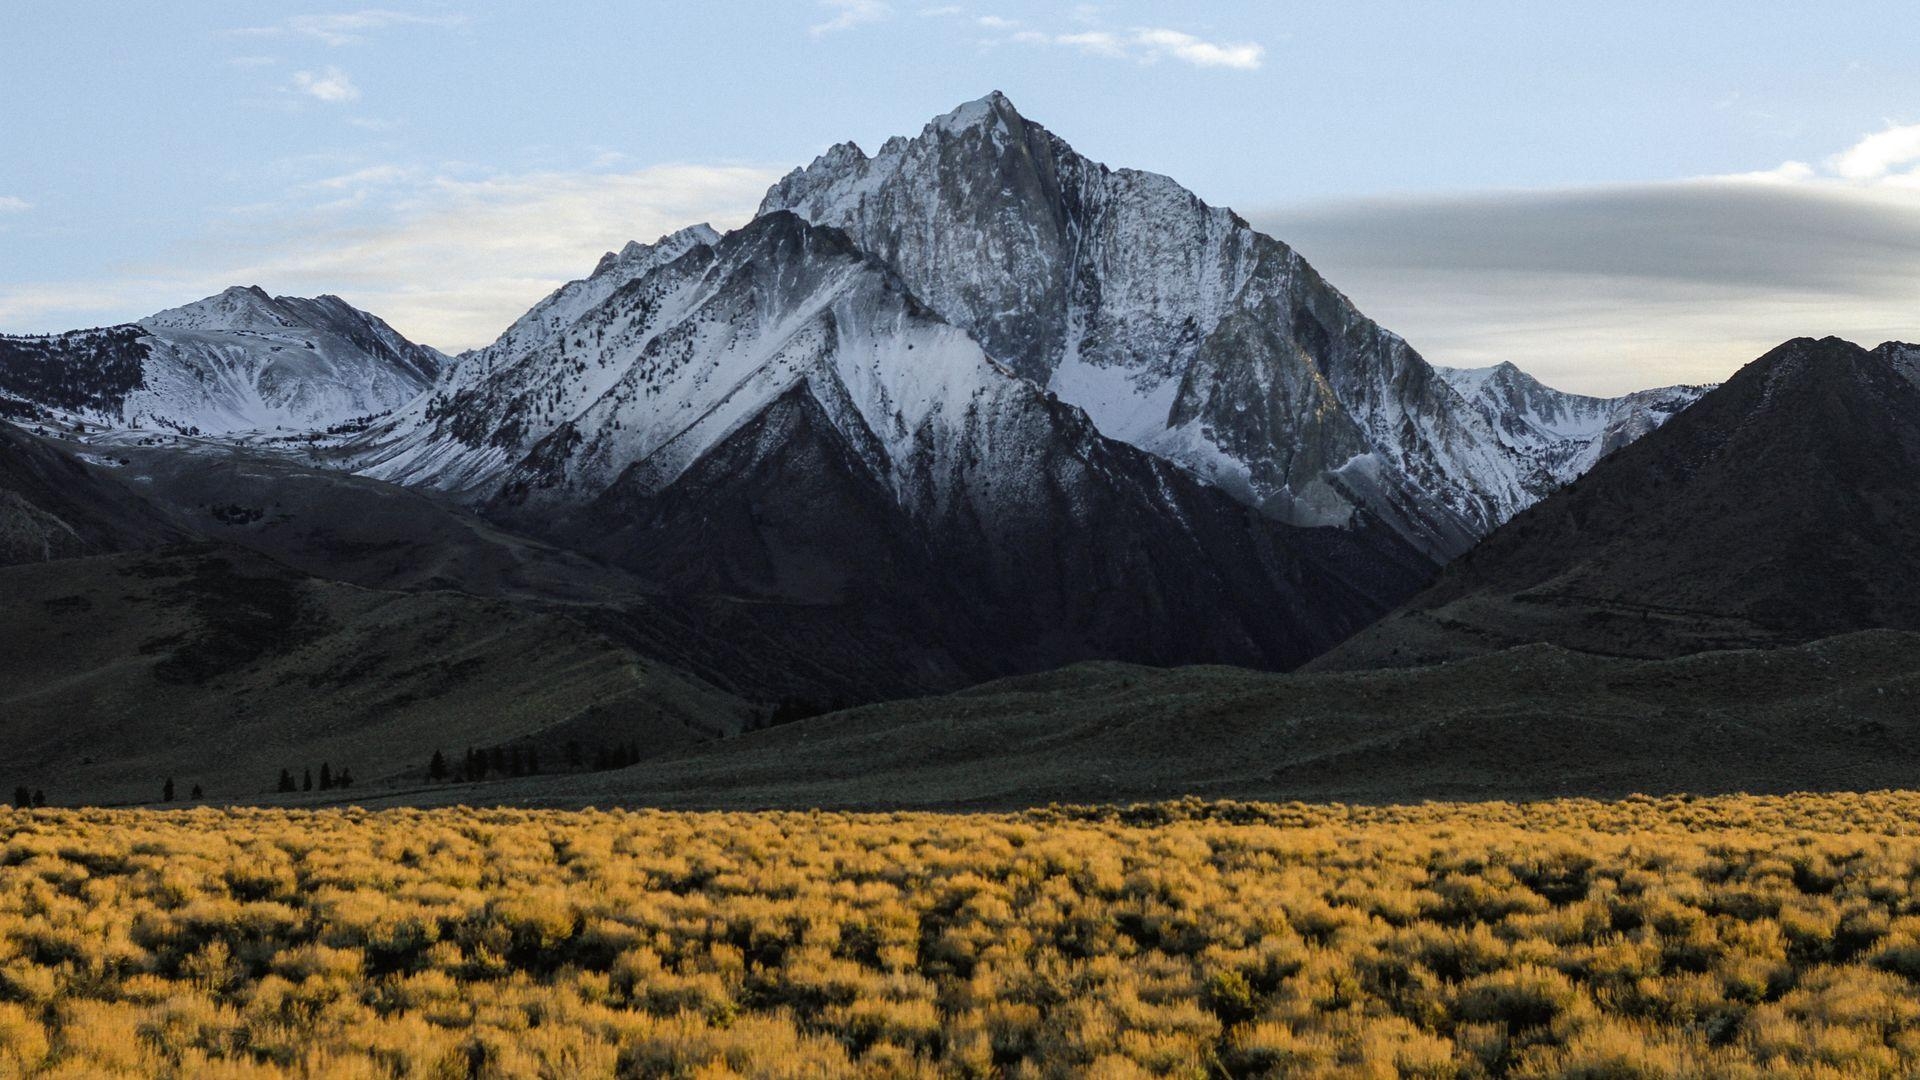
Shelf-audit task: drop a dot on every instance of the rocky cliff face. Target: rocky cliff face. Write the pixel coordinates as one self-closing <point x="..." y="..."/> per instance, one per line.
<point x="1174" y="324"/>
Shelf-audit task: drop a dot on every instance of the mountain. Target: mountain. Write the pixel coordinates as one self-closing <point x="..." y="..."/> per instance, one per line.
<point x="774" y="415"/>
<point x="1779" y="508"/>
<point x="53" y="505"/>
<point x="1175" y="325"/>
<point x="1563" y="434"/>
<point x="239" y="361"/>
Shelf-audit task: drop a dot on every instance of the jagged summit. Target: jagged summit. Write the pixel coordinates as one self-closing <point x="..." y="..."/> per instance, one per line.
<point x="667" y="246"/>
<point x="991" y="109"/>
<point x="1177" y="326"/>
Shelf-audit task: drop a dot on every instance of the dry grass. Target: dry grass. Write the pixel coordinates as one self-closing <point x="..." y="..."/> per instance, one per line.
<point x="1734" y="937"/>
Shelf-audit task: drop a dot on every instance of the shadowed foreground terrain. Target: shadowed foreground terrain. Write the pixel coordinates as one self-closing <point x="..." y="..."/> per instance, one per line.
<point x="1842" y="714"/>
<point x="221" y="668"/>
<point x="1738" y="937"/>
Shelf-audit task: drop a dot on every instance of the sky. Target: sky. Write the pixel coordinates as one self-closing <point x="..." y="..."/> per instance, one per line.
<point x="1612" y="196"/>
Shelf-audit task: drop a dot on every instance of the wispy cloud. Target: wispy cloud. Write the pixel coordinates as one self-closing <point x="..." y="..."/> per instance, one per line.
<point x="1142" y="44"/>
<point x="331" y="85"/>
<point x="1146" y="45"/>
<point x="13" y="204"/>
<point x="450" y="258"/>
<point x="1157" y="42"/>
<point x="849" y="14"/>
<point x="351" y="27"/>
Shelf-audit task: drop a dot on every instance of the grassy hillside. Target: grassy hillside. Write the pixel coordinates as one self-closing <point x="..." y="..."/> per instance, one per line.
<point x="219" y="667"/>
<point x="1842" y="714"/>
<point x="1735" y="938"/>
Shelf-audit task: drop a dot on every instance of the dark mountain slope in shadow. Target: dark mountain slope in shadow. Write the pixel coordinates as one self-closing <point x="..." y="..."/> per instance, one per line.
<point x="1783" y="507"/>
<point x="53" y="506"/>
<point x="1115" y="555"/>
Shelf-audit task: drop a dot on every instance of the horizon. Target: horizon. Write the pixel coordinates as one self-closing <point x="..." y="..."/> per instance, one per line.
<point x="1539" y="212"/>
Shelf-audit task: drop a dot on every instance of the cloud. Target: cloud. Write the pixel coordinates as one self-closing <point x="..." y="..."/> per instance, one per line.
<point x="1143" y="44"/>
<point x="849" y="14"/>
<point x="1887" y="158"/>
<point x="1878" y="155"/>
<point x="450" y="259"/>
<point x="352" y="27"/>
<point x="1148" y="45"/>
<point x="1608" y="289"/>
<point x="13" y="204"/>
<point x="1185" y="47"/>
<point x="331" y="86"/>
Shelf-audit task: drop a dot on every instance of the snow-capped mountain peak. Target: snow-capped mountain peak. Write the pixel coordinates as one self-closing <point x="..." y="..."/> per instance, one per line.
<point x="237" y="361"/>
<point x="994" y="108"/>
<point x="237" y="307"/>
<point x="1182" y="330"/>
<point x="1563" y="434"/>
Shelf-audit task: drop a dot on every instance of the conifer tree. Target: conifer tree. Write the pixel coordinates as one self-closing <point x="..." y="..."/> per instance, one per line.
<point x="326" y="776"/>
<point x="166" y="792"/>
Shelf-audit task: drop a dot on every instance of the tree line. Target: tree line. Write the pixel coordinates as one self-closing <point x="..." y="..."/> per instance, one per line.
<point x="501" y="762"/>
<point x="328" y="780"/>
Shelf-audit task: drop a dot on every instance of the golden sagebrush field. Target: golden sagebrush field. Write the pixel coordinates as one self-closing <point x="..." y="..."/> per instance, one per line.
<point x="1736" y="937"/>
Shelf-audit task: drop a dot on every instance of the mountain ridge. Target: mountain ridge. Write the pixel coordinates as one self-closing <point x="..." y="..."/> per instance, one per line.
<point x="1777" y="509"/>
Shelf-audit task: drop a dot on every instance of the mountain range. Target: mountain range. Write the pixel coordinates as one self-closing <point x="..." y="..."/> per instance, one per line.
<point x="1076" y="404"/>
<point x="968" y="408"/>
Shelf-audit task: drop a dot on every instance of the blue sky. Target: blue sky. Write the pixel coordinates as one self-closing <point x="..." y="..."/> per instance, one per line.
<point x="1563" y="185"/>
